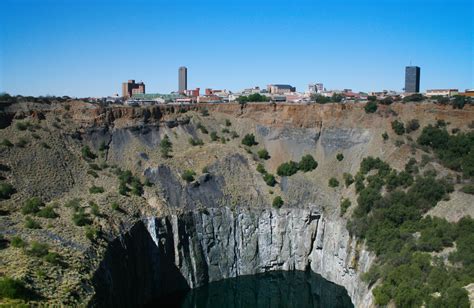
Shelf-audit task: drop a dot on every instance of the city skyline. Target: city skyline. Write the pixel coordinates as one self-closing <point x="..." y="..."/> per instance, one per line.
<point x="78" y="51"/>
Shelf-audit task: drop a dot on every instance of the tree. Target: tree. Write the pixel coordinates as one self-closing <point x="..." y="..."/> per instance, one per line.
<point x="307" y="163"/>
<point x="387" y="100"/>
<point x="277" y="202"/>
<point x="337" y="98"/>
<point x="339" y="156"/>
<point x="165" y="146"/>
<point x="345" y="204"/>
<point x="249" y="140"/>
<point x="398" y="127"/>
<point x="287" y="169"/>
<point x="372" y="98"/>
<point x="320" y="99"/>
<point x="412" y="125"/>
<point x="269" y="179"/>
<point x="370" y="107"/>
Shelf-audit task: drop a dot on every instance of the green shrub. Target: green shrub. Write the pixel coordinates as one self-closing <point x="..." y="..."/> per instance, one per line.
<point x="91" y="233"/>
<point x="370" y="107"/>
<point x="96" y="190"/>
<point x="269" y="179"/>
<point x="53" y="258"/>
<point x="414" y="98"/>
<point x="13" y="289"/>
<point x="103" y="146"/>
<point x="398" y="127"/>
<point x="47" y="212"/>
<point x="345" y="204"/>
<point x="227" y="122"/>
<point x="249" y="140"/>
<point x="87" y="153"/>
<point x="214" y="136"/>
<point x="277" y="202"/>
<point x="166" y="147"/>
<point x="307" y="163"/>
<point x="233" y="134"/>
<point x="411" y="167"/>
<point x="123" y="189"/>
<point x="287" y="169"/>
<point x="6" y="143"/>
<point x="468" y="189"/>
<point x="32" y="206"/>
<point x="137" y="187"/>
<point x="22" y="125"/>
<point x="333" y="182"/>
<point x="92" y="173"/>
<point x="188" y="175"/>
<point x="261" y="169"/>
<point x="223" y="140"/>
<point x="80" y="218"/>
<point x="385" y="136"/>
<point x="263" y="154"/>
<point x="95" y="167"/>
<point x="115" y="206"/>
<point x="37" y="249"/>
<point x="348" y="179"/>
<point x="202" y="128"/>
<point x="17" y="242"/>
<point x="412" y="125"/>
<point x="225" y="131"/>
<point x="73" y="204"/>
<point x="94" y="208"/>
<point x="6" y="190"/>
<point x="339" y="156"/>
<point x="22" y="142"/>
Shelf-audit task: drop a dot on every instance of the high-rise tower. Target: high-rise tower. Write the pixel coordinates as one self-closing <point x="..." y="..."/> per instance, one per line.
<point x="412" y="79"/>
<point x="182" y="79"/>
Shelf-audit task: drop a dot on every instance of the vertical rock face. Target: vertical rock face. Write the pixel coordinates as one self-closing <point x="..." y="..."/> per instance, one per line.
<point x="199" y="247"/>
<point x="221" y="243"/>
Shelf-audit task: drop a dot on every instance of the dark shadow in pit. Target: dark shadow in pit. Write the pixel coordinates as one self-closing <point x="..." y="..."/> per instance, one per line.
<point x="271" y="289"/>
<point x="130" y="273"/>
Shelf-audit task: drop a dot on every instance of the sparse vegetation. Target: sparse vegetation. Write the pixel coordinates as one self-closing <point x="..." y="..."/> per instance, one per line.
<point x="333" y="182"/>
<point x="91" y="233"/>
<point x="277" y="202"/>
<point x="6" y="190"/>
<point x="87" y="153"/>
<point x="214" y="136"/>
<point x="32" y="206"/>
<point x="195" y="141"/>
<point x="37" y="249"/>
<point x="202" y="128"/>
<point x="188" y="175"/>
<point x="6" y="143"/>
<point x="263" y="154"/>
<point x="47" y="212"/>
<point x="13" y="289"/>
<point x="468" y="189"/>
<point x="81" y="218"/>
<point x="96" y="190"/>
<point x="345" y="204"/>
<point x="17" y="242"/>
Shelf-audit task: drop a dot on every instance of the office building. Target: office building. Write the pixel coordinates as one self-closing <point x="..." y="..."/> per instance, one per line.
<point x="315" y="88"/>
<point x="130" y="88"/>
<point x="412" y="79"/>
<point x="280" y="88"/>
<point x="182" y="79"/>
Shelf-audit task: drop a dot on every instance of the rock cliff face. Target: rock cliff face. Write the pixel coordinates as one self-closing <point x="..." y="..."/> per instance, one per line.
<point x="190" y="250"/>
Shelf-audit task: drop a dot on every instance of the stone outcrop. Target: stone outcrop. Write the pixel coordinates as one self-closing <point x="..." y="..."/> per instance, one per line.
<point x="199" y="247"/>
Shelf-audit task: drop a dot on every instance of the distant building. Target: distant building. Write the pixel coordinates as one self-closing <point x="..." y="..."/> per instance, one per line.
<point x="412" y="79"/>
<point x="468" y="92"/>
<point x="192" y="93"/>
<point x="182" y="79"/>
<point x="280" y="88"/>
<point x="442" y="92"/>
<point x="315" y="88"/>
<point x="130" y="88"/>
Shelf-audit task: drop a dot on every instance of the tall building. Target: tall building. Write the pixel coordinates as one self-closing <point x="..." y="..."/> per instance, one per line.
<point x="130" y="88"/>
<point x="280" y="88"/>
<point x="182" y="79"/>
<point x="315" y="88"/>
<point x="412" y="79"/>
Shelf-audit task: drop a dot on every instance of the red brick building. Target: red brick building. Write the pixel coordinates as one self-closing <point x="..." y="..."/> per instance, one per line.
<point x="130" y="87"/>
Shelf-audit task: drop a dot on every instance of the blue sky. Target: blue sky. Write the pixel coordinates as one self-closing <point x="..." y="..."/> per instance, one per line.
<point x="87" y="48"/>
